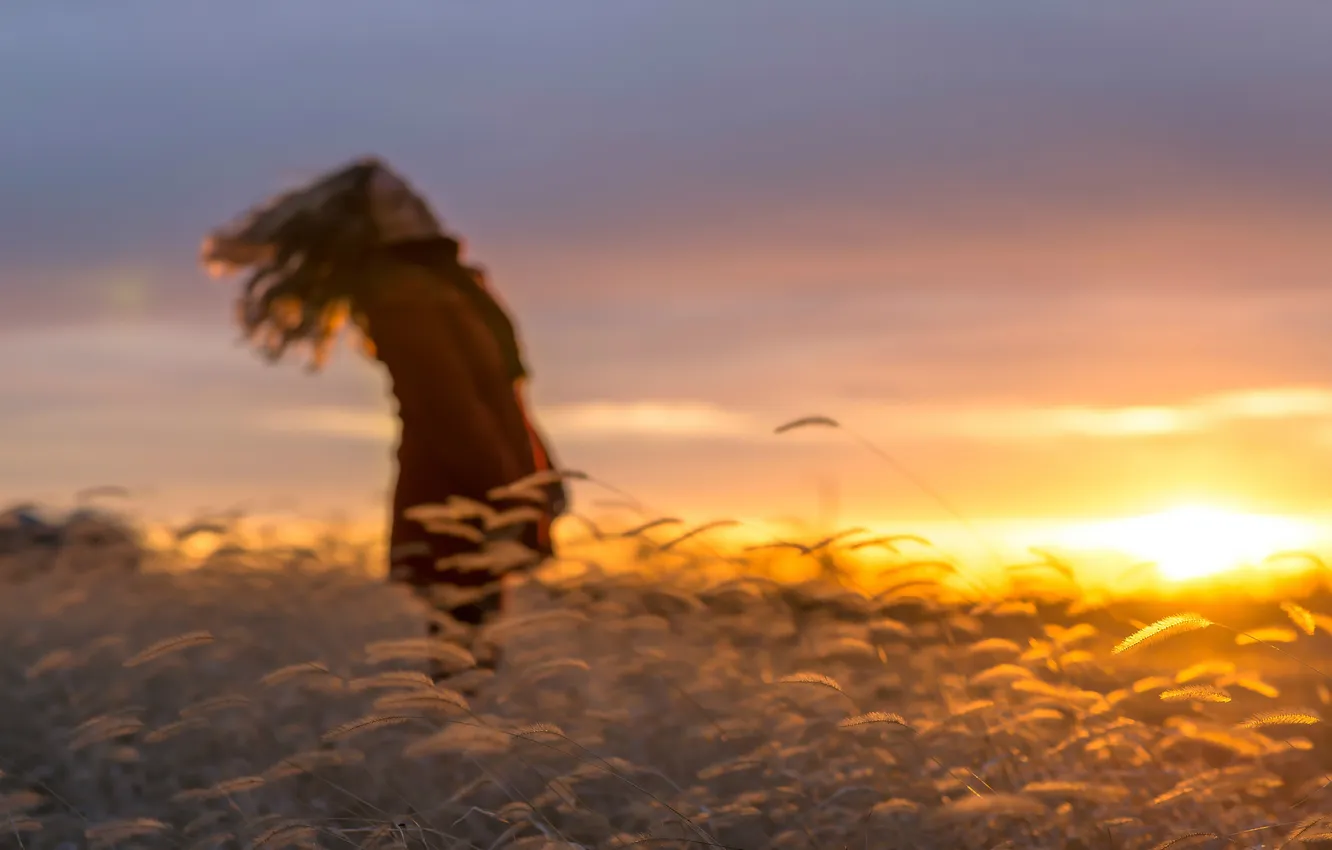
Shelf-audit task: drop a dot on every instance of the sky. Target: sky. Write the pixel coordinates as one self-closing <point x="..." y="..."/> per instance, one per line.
<point x="1057" y="260"/>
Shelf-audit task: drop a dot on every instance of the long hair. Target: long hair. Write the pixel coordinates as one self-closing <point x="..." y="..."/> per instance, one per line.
<point x="307" y="250"/>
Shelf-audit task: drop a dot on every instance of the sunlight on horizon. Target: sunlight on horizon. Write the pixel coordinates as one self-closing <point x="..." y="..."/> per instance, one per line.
<point x="1184" y="543"/>
<point x="1195" y="541"/>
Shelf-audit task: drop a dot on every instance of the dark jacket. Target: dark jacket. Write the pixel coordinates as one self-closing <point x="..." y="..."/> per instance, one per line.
<point x="454" y="364"/>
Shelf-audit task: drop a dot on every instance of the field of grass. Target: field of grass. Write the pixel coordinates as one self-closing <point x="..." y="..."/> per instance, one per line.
<point x="271" y="702"/>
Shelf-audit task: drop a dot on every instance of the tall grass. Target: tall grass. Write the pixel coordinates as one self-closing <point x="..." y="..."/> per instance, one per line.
<point x="266" y="701"/>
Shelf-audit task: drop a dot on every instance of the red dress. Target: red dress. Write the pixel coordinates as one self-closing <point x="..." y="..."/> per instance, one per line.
<point x="457" y="374"/>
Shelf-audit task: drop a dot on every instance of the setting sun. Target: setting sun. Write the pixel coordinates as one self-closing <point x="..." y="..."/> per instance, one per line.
<point x="1193" y="541"/>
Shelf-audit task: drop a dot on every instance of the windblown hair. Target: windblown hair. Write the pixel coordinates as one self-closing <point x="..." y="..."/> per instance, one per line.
<point x="310" y="249"/>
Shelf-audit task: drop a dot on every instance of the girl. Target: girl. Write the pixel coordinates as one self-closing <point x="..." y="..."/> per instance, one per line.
<point x="358" y="243"/>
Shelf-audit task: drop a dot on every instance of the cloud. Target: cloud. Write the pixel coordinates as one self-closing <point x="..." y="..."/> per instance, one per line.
<point x="1275" y="403"/>
<point x="678" y="420"/>
<point x="1016" y="422"/>
<point x="596" y="421"/>
<point x="352" y="423"/>
<point x="567" y="422"/>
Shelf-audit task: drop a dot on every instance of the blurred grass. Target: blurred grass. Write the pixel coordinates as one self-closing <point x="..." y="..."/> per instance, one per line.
<point x="641" y="699"/>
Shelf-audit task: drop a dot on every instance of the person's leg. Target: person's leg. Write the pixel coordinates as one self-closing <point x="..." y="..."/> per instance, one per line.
<point x="474" y="600"/>
<point x="457" y="614"/>
<point x="412" y="557"/>
<point x="465" y="601"/>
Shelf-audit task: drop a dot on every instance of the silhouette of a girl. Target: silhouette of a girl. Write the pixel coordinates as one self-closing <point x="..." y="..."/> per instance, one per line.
<point x="359" y="244"/>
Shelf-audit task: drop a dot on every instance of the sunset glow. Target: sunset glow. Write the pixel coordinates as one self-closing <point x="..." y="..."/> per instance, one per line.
<point x="1195" y="541"/>
<point x="1082" y="302"/>
<point x="833" y="425"/>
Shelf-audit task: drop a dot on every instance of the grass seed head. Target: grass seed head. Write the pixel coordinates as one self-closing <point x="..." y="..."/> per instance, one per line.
<point x="873" y="717"/>
<point x="811" y="679"/>
<point x="1197" y="693"/>
<point x="1281" y="717"/>
<point x="1189" y="840"/>
<point x="170" y="645"/>
<point x="1301" y="617"/>
<point x="1163" y="628"/>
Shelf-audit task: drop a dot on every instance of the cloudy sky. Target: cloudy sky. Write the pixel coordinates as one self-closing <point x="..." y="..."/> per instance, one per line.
<point x="1057" y="259"/>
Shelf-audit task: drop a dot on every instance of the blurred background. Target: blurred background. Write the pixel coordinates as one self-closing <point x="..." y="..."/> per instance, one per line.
<point x="1066" y="263"/>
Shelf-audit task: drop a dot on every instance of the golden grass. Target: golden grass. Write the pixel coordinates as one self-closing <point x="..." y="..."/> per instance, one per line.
<point x="1162" y="629"/>
<point x="266" y="702"/>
